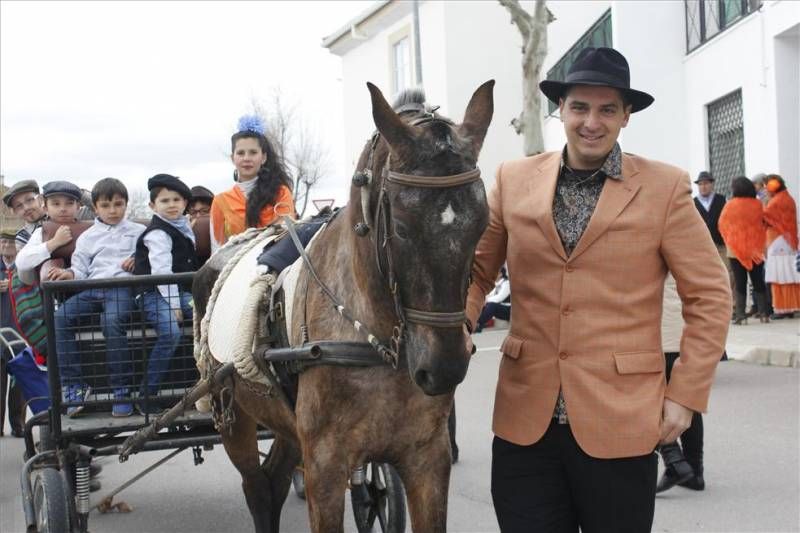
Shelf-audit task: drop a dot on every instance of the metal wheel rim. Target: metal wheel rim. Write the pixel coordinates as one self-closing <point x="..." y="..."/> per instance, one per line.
<point x="40" y="504"/>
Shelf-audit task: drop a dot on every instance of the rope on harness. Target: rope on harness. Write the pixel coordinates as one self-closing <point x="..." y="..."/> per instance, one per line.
<point x="202" y="352"/>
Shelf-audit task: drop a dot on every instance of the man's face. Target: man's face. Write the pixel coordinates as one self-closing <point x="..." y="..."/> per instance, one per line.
<point x="705" y="187"/>
<point x="592" y="117"/>
<point x="199" y="208"/>
<point x="8" y="248"/>
<point x="28" y="206"/>
<point x="62" y="209"/>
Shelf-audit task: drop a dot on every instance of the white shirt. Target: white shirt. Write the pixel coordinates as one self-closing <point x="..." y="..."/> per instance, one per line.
<point x="501" y="291"/>
<point x="31" y="256"/>
<point x="159" y="253"/>
<point x="706" y="200"/>
<point x="101" y="249"/>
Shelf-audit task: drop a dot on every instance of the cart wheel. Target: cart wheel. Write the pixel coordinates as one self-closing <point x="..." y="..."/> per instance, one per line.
<point x="381" y="496"/>
<point x="50" y="502"/>
<point x="299" y="483"/>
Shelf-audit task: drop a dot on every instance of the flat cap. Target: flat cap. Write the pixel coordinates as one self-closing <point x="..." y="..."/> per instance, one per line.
<point x="20" y="187"/>
<point x="171" y="183"/>
<point x="201" y="193"/>
<point x="64" y="188"/>
<point x="704" y="175"/>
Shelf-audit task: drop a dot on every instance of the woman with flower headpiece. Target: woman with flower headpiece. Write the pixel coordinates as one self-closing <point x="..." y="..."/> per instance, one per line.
<point x="263" y="189"/>
<point x="781" y="217"/>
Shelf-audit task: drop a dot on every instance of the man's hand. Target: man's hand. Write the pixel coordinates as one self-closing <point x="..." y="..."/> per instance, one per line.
<point x="3" y="285"/>
<point x="178" y="315"/>
<point x="63" y="236"/>
<point x="468" y="340"/>
<point x="128" y="264"/>
<point x="676" y="420"/>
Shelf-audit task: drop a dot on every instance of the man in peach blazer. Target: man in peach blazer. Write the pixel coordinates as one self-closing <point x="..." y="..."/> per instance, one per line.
<point x="589" y="234"/>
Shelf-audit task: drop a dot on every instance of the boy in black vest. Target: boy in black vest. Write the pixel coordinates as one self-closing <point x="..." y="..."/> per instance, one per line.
<point x="165" y="247"/>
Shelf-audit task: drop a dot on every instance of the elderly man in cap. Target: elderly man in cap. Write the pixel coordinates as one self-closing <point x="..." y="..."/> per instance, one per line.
<point x="709" y="204"/>
<point x="589" y="234"/>
<point x="16" y="403"/>
<point x="23" y="198"/>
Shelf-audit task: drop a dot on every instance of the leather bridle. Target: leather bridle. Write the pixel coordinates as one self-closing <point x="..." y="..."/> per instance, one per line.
<point x="381" y="220"/>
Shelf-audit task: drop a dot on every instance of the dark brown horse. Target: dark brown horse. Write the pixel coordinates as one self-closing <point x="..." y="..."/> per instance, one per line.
<point x="345" y="417"/>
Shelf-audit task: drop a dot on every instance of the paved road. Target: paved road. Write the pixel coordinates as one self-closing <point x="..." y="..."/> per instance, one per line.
<point x="752" y="468"/>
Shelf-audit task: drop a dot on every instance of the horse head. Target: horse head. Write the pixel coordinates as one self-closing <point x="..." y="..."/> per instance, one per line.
<point x="424" y="209"/>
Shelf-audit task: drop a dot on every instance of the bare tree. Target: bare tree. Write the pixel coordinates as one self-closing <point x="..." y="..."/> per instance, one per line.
<point x="304" y="154"/>
<point x="139" y="205"/>
<point x="533" y="28"/>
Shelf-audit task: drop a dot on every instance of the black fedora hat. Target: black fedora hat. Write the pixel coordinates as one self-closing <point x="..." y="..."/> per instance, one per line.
<point x="604" y="67"/>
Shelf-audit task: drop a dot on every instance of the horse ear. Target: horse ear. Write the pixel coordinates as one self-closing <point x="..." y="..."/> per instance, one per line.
<point x="396" y="132"/>
<point x="478" y="115"/>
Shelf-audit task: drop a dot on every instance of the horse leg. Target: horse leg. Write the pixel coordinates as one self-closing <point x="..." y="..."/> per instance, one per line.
<point x="426" y="477"/>
<point x="326" y="477"/>
<point x="278" y="467"/>
<point x="241" y="445"/>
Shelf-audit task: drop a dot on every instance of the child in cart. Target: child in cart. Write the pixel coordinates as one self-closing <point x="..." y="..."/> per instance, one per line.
<point x="103" y="251"/>
<point x="167" y="246"/>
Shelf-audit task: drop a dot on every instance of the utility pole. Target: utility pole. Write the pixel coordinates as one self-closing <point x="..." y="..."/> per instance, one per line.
<point x="417" y="49"/>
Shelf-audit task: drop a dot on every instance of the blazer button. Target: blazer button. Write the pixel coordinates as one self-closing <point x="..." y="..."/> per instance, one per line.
<point x="566" y="311"/>
<point x="569" y="268"/>
<point x="562" y="355"/>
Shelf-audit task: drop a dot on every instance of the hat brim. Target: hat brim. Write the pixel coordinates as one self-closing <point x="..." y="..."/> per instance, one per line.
<point x="554" y="90"/>
<point x="704" y="179"/>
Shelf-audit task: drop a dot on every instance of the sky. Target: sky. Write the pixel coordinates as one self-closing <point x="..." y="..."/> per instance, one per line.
<point x="132" y="89"/>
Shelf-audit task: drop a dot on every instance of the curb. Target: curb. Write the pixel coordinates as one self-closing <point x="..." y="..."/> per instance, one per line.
<point x="772" y="357"/>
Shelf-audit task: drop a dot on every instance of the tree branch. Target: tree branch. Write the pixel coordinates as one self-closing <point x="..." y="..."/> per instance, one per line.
<point x="519" y="16"/>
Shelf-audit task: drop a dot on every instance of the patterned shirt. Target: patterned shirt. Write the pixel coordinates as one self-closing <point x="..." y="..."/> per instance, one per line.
<point x="577" y="192"/>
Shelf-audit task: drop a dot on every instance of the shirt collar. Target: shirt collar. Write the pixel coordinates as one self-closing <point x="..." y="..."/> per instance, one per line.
<point x="612" y="166"/>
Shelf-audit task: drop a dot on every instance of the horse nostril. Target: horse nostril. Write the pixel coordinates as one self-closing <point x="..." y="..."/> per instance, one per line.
<point x="424" y="379"/>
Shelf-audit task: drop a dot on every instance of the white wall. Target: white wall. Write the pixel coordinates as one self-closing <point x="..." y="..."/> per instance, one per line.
<point x="743" y="57"/>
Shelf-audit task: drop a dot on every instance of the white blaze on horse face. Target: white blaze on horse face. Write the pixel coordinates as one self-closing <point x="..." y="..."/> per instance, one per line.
<point x="448" y="215"/>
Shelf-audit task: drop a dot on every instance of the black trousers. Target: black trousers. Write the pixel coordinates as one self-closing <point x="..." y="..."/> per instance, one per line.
<point x="552" y="486"/>
<point x="740" y="274"/>
<point x="691" y="440"/>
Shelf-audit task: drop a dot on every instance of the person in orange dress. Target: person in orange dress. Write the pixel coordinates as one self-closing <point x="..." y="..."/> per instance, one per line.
<point x="263" y="190"/>
<point x="741" y="224"/>
<point x="781" y="217"/>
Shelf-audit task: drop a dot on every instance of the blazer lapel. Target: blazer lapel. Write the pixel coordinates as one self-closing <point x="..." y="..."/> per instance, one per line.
<point x="613" y="199"/>
<point x="542" y="189"/>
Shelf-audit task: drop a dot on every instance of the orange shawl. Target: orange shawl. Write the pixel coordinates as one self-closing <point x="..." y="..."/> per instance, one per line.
<point x="741" y="224"/>
<point x="781" y="216"/>
<point x="229" y="208"/>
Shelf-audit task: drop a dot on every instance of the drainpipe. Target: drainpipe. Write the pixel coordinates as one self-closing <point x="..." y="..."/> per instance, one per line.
<point x="417" y="49"/>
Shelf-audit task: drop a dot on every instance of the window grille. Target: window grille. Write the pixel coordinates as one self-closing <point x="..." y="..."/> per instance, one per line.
<point x="708" y="18"/>
<point x="726" y="140"/>
<point x="596" y="36"/>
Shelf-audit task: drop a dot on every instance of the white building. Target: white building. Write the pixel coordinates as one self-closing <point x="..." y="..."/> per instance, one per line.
<point x="725" y="74"/>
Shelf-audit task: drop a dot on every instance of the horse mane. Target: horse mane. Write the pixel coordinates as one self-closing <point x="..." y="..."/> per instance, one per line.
<point x="409" y="96"/>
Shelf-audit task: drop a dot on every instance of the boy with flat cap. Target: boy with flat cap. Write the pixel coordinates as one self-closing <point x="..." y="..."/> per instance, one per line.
<point x="589" y="234"/>
<point x="167" y="246"/>
<point x="24" y="200"/>
<point x="104" y="251"/>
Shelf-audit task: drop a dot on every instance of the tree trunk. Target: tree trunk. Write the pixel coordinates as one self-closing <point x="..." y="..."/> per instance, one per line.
<point x="533" y="29"/>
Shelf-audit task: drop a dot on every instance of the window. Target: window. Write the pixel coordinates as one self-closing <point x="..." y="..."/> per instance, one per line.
<point x="598" y="35"/>
<point x="707" y="18"/>
<point x="726" y="140"/>
<point x="401" y="65"/>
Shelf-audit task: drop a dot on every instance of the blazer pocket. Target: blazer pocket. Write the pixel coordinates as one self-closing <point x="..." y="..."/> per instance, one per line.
<point x="641" y="362"/>
<point x="512" y="346"/>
